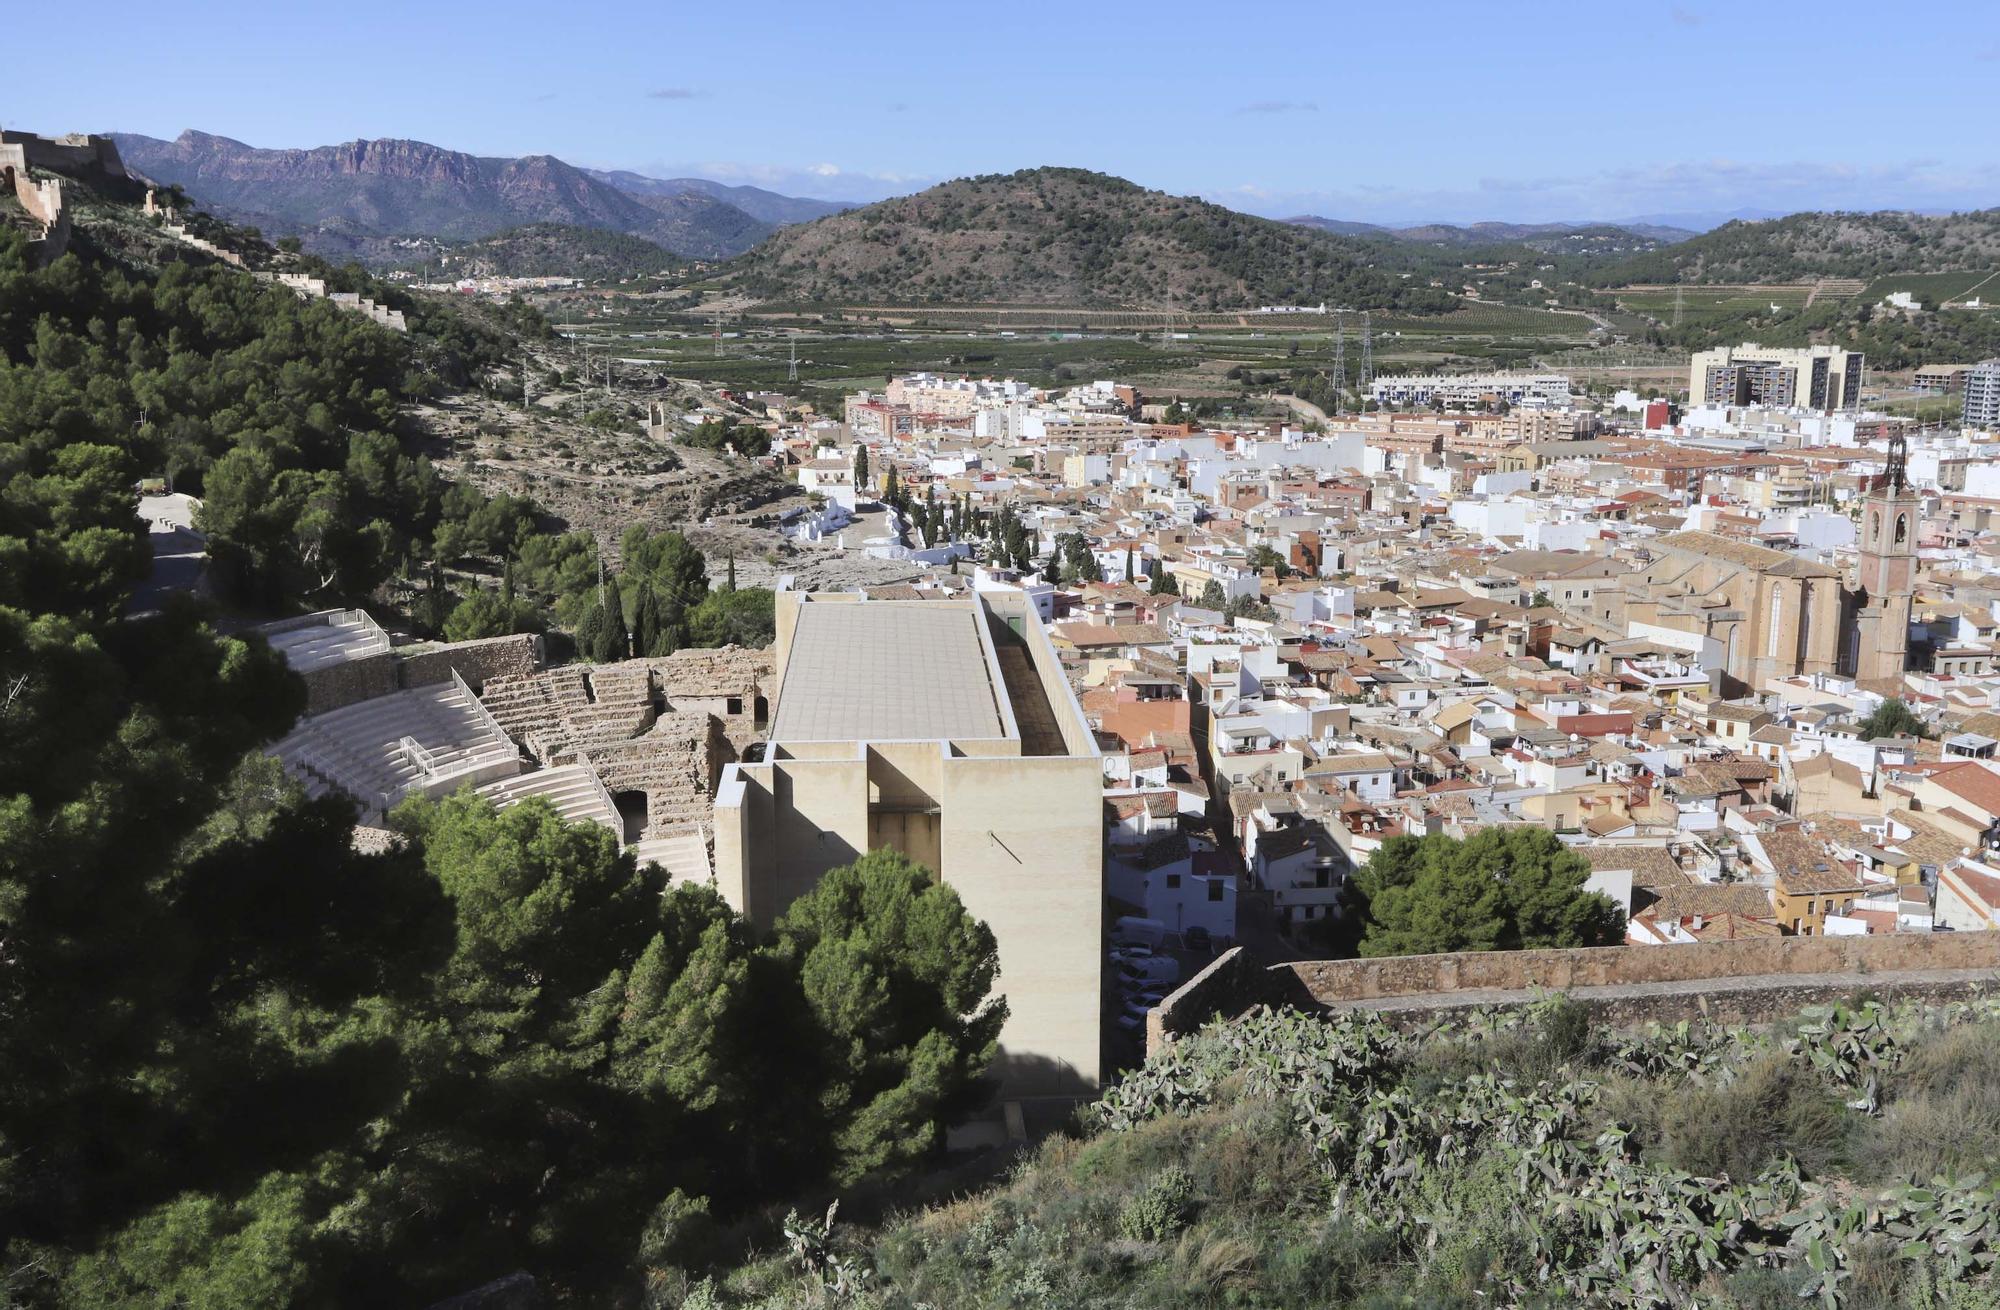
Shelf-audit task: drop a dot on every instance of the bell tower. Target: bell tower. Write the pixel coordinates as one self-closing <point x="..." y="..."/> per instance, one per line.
<point x="1887" y="573"/>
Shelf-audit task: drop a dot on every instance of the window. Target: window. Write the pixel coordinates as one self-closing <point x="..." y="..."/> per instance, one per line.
<point x="1173" y="881"/>
<point x="735" y="704"/>
<point x="1215" y="889"/>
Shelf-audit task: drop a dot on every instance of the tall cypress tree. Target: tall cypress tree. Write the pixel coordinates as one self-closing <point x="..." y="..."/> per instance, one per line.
<point x="646" y="622"/>
<point x="611" y="638"/>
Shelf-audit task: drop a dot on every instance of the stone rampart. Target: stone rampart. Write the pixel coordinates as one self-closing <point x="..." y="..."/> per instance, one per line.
<point x="1232" y="983"/>
<point x="78" y="153"/>
<point x="1335" y="982"/>
<point x="41" y="200"/>
<point x="1747" y="981"/>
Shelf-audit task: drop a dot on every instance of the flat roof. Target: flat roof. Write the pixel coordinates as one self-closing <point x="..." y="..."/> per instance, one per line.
<point x="888" y="671"/>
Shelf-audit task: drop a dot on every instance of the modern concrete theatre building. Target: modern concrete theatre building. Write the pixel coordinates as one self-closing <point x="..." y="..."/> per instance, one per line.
<point x="943" y="729"/>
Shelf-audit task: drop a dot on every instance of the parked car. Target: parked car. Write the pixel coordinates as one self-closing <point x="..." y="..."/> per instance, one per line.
<point x="1144" y="932"/>
<point x="1197" y="938"/>
<point x="1160" y="969"/>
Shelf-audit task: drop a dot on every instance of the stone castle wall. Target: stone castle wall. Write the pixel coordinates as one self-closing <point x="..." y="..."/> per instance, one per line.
<point x="1335" y="982"/>
<point x="77" y="154"/>
<point x="1750" y="981"/>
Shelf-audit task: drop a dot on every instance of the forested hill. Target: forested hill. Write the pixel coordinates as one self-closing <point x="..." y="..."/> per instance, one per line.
<point x="1815" y="245"/>
<point x="410" y="188"/>
<point x="1067" y="236"/>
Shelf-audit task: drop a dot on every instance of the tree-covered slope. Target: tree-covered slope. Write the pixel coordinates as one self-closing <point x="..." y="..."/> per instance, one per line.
<point x="1067" y="236"/>
<point x="244" y="1065"/>
<point x="1815" y="245"/>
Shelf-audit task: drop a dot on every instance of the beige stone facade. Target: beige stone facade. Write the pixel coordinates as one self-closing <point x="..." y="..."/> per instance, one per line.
<point x="1752" y="612"/>
<point x="943" y="729"/>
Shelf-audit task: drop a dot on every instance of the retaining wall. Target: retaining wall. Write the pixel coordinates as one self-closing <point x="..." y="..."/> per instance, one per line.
<point x="350" y="681"/>
<point x="1746" y="981"/>
<point x="1332" y="982"/>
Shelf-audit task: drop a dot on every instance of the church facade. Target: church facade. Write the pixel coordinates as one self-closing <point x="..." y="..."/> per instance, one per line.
<point x="1750" y="613"/>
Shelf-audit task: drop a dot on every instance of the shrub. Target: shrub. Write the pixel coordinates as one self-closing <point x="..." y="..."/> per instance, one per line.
<point x="1774" y="1109"/>
<point x="1157" y="1211"/>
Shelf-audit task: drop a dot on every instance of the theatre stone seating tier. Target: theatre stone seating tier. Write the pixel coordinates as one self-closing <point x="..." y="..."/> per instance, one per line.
<point x="316" y="641"/>
<point x="573" y="790"/>
<point x="617" y="721"/>
<point x="673" y="764"/>
<point x="683" y="854"/>
<point x="429" y="741"/>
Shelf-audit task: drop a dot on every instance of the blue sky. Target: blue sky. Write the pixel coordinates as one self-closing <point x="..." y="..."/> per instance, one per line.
<point x="1382" y="112"/>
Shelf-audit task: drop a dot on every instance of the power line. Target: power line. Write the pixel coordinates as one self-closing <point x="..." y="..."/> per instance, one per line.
<point x="1367" y="355"/>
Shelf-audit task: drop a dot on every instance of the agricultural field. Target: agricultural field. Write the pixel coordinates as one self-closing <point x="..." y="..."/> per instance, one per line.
<point x="832" y="365"/>
<point x="1937" y="288"/>
<point x="1713" y="305"/>
<point x="835" y="357"/>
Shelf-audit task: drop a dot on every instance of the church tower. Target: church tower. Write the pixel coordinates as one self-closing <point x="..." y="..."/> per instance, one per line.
<point x="1888" y="573"/>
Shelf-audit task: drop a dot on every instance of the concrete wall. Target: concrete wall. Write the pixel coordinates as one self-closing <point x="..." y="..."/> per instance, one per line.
<point x="1022" y="842"/>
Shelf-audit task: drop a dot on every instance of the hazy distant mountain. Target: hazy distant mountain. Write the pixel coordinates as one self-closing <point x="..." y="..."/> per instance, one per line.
<point x="1342" y="226"/>
<point x="764" y="206"/>
<point x="1696" y="221"/>
<point x="1068" y="236"/>
<point x="1548" y="237"/>
<point x="408" y="188"/>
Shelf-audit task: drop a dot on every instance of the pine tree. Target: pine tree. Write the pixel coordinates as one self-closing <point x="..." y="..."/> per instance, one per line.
<point x="860" y="468"/>
<point x="1164" y="584"/>
<point x="729" y="584"/>
<point x="1129" y="574"/>
<point x="892" y="491"/>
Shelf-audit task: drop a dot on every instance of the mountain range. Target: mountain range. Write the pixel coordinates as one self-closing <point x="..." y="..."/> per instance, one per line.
<point x="345" y="199"/>
<point x="1537" y="235"/>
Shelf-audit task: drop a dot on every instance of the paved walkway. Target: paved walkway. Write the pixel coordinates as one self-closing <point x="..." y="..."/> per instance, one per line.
<point x="180" y="554"/>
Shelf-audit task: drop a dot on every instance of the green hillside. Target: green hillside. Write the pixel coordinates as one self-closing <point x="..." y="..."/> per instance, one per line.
<point x="1839" y="1160"/>
<point x="1067" y="236"/>
<point x="1803" y="247"/>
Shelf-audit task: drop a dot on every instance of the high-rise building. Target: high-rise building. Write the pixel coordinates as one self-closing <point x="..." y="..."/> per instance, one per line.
<point x="1982" y="394"/>
<point x="1824" y="378"/>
